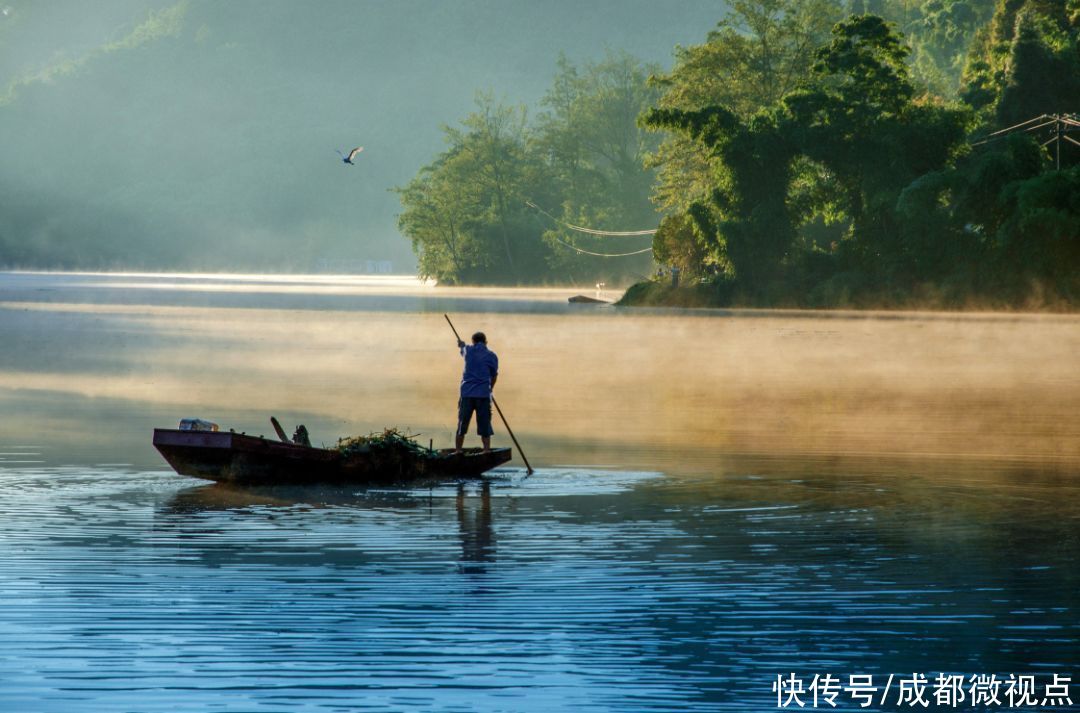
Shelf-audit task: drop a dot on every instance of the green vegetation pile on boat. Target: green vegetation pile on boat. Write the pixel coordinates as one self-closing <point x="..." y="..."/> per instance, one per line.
<point x="199" y="449"/>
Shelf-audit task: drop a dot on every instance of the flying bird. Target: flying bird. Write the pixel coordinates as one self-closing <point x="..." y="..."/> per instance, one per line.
<point x="352" y="154"/>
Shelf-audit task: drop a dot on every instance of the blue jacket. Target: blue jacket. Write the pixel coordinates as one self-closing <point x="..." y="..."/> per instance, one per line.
<point x="481" y="366"/>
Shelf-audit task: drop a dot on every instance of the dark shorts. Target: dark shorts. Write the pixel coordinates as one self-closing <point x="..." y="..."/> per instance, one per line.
<point x="482" y="406"/>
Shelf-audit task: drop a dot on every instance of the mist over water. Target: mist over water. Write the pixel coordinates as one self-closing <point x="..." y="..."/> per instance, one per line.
<point x="352" y="355"/>
<point x="721" y="497"/>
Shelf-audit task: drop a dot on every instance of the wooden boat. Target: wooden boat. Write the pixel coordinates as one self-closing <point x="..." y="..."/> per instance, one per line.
<point x="237" y="458"/>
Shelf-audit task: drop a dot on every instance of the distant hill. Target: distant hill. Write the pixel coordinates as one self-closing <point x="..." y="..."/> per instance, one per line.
<point x="202" y="134"/>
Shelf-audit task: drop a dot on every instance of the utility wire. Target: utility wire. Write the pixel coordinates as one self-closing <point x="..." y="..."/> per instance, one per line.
<point x="587" y="252"/>
<point x="590" y="231"/>
<point x="1048" y="120"/>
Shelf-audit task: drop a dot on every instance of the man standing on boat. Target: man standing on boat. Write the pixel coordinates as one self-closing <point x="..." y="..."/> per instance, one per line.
<point x="477" y="381"/>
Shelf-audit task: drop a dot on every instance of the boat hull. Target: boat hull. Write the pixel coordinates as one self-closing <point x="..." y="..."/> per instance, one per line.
<point x="249" y="460"/>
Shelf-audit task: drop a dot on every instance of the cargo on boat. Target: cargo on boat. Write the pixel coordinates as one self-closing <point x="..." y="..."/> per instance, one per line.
<point x="229" y="457"/>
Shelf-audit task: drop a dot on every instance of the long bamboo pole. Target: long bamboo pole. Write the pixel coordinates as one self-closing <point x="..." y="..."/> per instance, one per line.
<point x="528" y="468"/>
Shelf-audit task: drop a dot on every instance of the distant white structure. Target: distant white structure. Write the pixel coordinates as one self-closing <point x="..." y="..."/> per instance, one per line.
<point x="354" y="266"/>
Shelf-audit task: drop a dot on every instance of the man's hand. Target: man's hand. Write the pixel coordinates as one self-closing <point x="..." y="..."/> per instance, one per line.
<point x="460" y="344"/>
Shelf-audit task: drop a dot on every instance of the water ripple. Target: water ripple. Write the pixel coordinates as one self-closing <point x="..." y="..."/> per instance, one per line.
<point x="569" y="590"/>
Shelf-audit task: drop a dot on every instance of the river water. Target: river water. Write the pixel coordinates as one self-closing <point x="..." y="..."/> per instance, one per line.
<point x="721" y="498"/>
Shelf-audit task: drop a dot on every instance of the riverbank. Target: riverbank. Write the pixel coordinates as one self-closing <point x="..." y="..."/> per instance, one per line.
<point x="1034" y="298"/>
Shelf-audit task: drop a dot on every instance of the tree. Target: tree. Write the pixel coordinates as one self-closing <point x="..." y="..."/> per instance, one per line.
<point x="465" y="213"/>
<point x="468" y="215"/>
<point x="859" y="120"/>
<point x="939" y="33"/>
<point x="749" y="221"/>
<point x="848" y="141"/>
<point x="1043" y="75"/>
<point x="940" y="36"/>
<point x="441" y="221"/>
<point x="1041" y="232"/>
<point x="860" y="145"/>
<point x="590" y="138"/>
<point x="679" y="242"/>
<point x="1025" y="63"/>
<point x="760" y="51"/>
<point x="1001" y="221"/>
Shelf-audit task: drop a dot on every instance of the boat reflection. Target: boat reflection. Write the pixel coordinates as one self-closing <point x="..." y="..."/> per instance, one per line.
<point x="337" y="527"/>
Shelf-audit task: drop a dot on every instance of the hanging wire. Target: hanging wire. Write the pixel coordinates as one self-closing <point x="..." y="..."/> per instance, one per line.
<point x="590" y="231"/>
<point x="1047" y="120"/>
<point x="1001" y="133"/>
<point x="587" y="252"/>
<point x="580" y="250"/>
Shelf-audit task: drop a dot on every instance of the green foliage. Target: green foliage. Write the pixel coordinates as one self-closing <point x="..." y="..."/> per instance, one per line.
<point x="1026" y="62"/>
<point x="750" y="225"/>
<point x="590" y="140"/>
<point x="589" y="132"/>
<point x="757" y="228"/>
<point x="722" y="165"/>
<point x="390" y="441"/>
<point x="466" y="213"/>
<point x="1044" y="69"/>
<point x="680" y="242"/>
<point x="1042" y="227"/>
<point x="717" y="293"/>
<point x="759" y="51"/>
<point x="853" y="138"/>
<point x="864" y="68"/>
<point x="855" y="186"/>
<point x="940" y="33"/>
<point x="799" y="164"/>
<point x="859" y="121"/>
<point x="994" y="224"/>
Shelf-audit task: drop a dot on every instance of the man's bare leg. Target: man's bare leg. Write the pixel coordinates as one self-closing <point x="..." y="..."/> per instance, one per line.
<point x="459" y="441"/>
<point x="486" y="440"/>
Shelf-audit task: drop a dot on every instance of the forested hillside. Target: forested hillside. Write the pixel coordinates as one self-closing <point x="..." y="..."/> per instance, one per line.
<point x="808" y="152"/>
